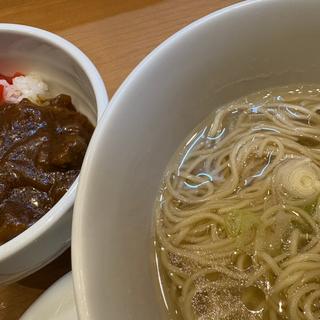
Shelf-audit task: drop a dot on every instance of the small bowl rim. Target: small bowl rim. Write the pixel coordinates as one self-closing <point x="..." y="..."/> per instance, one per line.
<point x="28" y="236"/>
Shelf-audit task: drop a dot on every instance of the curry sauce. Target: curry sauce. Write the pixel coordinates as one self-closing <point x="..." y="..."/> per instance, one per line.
<point x="41" y="151"/>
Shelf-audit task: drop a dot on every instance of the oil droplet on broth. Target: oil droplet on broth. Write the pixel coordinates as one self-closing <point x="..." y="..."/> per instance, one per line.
<point x="253" y="298"/>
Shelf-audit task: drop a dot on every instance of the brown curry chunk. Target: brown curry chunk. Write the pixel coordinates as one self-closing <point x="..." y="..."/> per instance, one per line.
<point x="41" y="152"/>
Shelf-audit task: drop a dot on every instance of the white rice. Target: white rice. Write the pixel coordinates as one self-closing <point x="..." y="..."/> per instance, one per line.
<point x="30" y="86"/>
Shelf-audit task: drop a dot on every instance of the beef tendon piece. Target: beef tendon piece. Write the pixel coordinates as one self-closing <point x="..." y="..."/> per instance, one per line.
<point x="21" y="209"/>
<point x="62" y="182"/>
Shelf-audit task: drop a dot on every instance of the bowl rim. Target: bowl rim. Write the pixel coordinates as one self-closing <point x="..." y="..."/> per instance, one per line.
<point x="28" y="236"/>
<point x="77" y="241"/>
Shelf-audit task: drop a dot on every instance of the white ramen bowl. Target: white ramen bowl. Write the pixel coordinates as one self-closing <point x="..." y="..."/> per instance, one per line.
<point x="230" y="53"/>
<point x="66" y="70"/>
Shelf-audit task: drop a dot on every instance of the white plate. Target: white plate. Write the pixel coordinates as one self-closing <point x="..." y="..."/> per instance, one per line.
<point x="56" y="303"/>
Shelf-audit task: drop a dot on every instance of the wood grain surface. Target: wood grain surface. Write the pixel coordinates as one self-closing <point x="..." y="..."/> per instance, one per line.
<point x="116" y="35"/>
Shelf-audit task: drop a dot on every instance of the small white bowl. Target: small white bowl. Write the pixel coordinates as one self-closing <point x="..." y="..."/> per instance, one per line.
<point x="67" y="70"/>
<point x="228" y="54"/>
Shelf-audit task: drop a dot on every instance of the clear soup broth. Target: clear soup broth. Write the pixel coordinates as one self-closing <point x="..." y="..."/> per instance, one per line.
<point x="238" y="212"/>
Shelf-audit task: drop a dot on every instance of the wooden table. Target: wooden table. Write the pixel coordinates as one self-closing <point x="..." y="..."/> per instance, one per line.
<point x="116" y="35"/>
